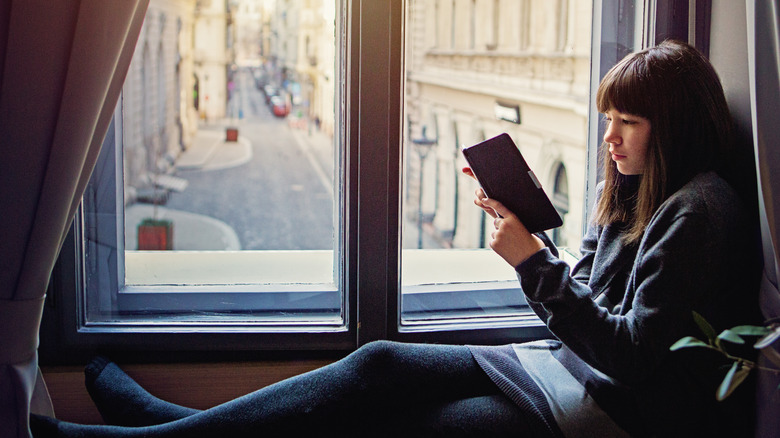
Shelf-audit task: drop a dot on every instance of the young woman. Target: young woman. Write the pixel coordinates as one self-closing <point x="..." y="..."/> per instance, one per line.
<point x="669" y="237"/>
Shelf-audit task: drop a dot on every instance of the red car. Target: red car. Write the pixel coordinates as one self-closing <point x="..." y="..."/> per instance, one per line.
<point x="279" y="107"/>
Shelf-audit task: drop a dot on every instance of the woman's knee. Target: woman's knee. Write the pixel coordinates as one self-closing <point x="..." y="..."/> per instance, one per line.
<point x="378" y="353"/>
<point x="412" y="358"/>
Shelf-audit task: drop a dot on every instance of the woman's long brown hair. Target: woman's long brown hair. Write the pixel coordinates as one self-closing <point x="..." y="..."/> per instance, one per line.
<point x="676" y="88"/>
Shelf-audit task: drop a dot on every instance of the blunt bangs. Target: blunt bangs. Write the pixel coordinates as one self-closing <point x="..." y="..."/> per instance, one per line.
<point x="624" y="90"/>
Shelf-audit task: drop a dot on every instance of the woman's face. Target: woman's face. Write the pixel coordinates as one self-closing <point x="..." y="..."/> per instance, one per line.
<point x="628" y="137"/>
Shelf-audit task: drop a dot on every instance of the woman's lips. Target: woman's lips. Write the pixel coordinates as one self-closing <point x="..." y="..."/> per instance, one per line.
<point x="617" y="157"/>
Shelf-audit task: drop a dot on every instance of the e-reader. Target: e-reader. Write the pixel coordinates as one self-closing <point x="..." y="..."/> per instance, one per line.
<point x="504" y="175"/>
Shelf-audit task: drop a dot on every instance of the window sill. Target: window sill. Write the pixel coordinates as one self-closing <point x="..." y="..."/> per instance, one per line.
<point x="420" y="267"/>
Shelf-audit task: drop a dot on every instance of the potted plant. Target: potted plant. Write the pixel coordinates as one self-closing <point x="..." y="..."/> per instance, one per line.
<point x="155" y="234"/>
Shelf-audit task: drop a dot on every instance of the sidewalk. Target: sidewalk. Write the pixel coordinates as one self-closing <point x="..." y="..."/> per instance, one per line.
<point x="196" y="232"/>
<point x="191" y="232"/>
<point x="210" y="151"/>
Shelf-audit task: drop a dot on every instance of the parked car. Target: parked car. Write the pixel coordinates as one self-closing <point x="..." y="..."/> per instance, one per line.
<point x="259" y="77"/>
<point x="270" y="91"/>
<point x="279" y="106"/>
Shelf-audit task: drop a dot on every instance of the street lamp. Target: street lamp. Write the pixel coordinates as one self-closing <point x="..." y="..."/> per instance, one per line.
<point x="423" y="146"/>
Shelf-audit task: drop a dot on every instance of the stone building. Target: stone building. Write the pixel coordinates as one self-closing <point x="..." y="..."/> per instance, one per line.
<point x="212" y="57"/>
<point x="315" y="61"/>
<point x="247" y="18"/>
<point x="302" y="58"/>
<point x="158" y="114"/>
<point x="178" y="75"/>
<point x="477" y="68"/>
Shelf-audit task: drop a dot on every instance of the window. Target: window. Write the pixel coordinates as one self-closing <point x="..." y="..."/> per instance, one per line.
<point x="218" y="211"/>
<point x="401" y="249"/>
<point x="458" y="97"/>
<point x="524" y="29"/>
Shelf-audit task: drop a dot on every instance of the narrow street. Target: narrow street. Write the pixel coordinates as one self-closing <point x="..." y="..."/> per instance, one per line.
<point x="282" y="196"/>
<point x="273" y="189"/>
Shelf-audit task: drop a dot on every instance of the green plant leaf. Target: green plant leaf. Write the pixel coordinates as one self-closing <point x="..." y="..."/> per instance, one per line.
<point x="688" y="342"/>
<point x="769" y="339"/>
<point x="751" y="330"/>
<point x="736" y="375"/>
<point x="731" y="336"/>
<point x="705" y="327"/>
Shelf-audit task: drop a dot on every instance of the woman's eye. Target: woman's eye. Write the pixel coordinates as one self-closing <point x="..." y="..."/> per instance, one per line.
<point x="628" y="122"/>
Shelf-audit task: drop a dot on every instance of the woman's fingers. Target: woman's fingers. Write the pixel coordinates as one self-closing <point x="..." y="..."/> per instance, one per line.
<point x="497" y="207"/>
<point x="479" y="192"/>
<point x="478" y="201"/>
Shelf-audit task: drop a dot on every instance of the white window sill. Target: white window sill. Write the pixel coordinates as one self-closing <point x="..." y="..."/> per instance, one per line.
<point x="420" y="267"/>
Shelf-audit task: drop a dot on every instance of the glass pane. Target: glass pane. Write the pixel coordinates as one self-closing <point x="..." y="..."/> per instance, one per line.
<point x="217" y="187"/>
<point x="475" y="69"/>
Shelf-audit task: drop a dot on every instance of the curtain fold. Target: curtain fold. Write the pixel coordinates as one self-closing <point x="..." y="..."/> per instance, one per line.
<point x="62" y="65"/>
<point x="764" y="58"/>
<point x="764" y="42"/>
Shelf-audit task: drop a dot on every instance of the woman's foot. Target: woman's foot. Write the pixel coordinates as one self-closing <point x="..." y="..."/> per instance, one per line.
<point x="43" y="427"/>
<point x="121" y="401"/>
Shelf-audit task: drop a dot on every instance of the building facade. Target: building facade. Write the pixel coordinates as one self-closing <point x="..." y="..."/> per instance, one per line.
<point x="158" y="114"/>
<point x="213" y="57"/>
<point x="301" y="59"/>
<point x="477" y="68"/>
<point x="178" y="76"/>
<point x="247" y="19"/>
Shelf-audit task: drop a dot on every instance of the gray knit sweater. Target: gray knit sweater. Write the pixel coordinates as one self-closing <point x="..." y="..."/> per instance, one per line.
<point x="619" y="309"/>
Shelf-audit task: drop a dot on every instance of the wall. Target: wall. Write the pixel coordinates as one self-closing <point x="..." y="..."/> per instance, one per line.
<point x="196" y="385"/>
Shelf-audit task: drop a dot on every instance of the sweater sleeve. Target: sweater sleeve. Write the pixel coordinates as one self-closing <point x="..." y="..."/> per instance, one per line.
<point x="675" y="264"/>
<point x="582" y="269"/>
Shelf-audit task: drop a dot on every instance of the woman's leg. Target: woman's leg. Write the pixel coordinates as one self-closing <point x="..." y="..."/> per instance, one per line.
<point x="483" y="416"/>
<point x="371" y="390"/>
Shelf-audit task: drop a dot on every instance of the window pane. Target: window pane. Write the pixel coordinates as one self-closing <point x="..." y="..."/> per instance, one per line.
<point x="217" y="191"/>
<point x="475" y="69"/>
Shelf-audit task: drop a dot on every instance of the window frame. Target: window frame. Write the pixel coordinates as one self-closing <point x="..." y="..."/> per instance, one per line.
<point x="370" y="273"/>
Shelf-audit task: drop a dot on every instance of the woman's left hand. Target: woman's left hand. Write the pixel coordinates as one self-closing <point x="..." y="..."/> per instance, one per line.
<point x="511" y="240"/>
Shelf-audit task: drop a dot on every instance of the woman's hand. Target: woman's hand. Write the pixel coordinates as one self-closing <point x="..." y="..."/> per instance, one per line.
<point x="480" y="195"/>
<point x="511" y="240"/>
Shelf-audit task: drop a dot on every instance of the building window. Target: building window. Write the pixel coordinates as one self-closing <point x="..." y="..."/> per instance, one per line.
<point x="473" y="25"/>
<point x="470" y="284"/>
<point x="524" y="19"/>
<point x="563" y="25"/>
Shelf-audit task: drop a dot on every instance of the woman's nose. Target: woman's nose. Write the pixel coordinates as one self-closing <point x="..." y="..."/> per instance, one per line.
<point x="612" y="135"/>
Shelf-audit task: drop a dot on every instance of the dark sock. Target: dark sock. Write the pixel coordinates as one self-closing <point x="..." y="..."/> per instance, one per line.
<point x="43" y="427"/>
<point x="121" y="401"/>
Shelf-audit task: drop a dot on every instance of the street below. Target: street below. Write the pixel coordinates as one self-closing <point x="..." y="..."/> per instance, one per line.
<point x="282" y="197"/>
